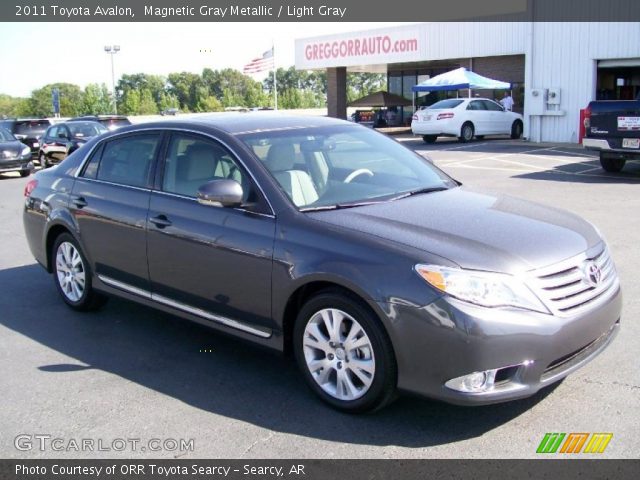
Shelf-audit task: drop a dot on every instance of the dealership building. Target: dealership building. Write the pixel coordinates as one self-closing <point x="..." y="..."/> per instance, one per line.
<point x="555" y="68"/>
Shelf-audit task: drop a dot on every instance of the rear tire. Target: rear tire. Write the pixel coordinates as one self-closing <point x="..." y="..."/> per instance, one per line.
<point x="611" y="164"/>
<point x="72" y="275"/>
<point x="344" y="353"/>
<point x="466" y="132"/>
<point x="516" y="130"/>
<point x="429" y="138"/>
<point x="25" y="173"/>
<point x="42" y="158"/>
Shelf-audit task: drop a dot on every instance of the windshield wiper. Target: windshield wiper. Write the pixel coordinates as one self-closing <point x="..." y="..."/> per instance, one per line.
<point x="339" y="206"/>
<point x="419" y="191"/>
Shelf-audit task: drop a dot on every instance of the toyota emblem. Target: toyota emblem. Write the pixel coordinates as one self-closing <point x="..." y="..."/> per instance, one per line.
<point x="593" y="274"/>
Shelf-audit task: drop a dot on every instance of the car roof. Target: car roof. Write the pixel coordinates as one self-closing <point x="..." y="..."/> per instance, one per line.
<point x="98" y="117"/>
<point x="261" y="121"/>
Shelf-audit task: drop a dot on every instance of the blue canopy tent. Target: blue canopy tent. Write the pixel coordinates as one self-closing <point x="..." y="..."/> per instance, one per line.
<point x="459" y="79"/>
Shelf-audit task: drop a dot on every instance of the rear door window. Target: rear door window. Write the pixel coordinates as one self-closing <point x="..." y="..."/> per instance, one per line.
<point x="477" y="105"/>
<point x="31" y="128"/>
<point x="128" y="160"/>
<point x="492" y="106"/>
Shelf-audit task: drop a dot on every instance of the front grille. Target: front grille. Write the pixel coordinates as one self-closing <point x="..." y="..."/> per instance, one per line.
<point x="565" y="362"/>
<point x="567" y="288"/>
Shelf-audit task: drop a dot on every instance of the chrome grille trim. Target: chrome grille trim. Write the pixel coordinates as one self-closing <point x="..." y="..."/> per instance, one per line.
<point x="564" y="288"/>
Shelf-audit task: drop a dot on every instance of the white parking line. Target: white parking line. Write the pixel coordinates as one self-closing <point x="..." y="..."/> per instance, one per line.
<point x="462" y="147"/>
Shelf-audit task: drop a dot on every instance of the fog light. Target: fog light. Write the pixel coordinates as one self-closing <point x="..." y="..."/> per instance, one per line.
<point x="475" y="382"/>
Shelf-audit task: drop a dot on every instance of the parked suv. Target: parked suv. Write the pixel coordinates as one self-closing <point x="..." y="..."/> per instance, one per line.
<point x="27" y="130"/>
<point x="329" y="240"/>
<point x="62" y="139"/>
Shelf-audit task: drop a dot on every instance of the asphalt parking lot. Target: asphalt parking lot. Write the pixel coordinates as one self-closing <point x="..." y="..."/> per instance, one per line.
<point x="128" y="372"/>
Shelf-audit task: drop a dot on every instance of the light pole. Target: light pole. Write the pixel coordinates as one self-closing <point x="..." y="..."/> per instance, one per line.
<point x="112" y="50"/>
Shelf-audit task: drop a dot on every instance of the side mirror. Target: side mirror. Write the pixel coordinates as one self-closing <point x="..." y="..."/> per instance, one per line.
<point x="220" y="193"/>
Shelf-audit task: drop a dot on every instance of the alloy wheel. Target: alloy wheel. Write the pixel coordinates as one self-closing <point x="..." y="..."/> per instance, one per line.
<point x="339" y="354"/>
<point x="70" y="271"/>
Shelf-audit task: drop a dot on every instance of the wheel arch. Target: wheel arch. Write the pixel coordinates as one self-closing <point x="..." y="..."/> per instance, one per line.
<point x="310" y="287"/>
<point x="58" y="226"/>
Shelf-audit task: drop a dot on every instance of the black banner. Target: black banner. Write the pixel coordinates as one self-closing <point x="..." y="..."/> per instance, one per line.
<point x="317" y="469"/>
<point x="318" y="10"/>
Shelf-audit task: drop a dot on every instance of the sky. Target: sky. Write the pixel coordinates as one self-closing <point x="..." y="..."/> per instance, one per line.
<point x="36" y="54"/>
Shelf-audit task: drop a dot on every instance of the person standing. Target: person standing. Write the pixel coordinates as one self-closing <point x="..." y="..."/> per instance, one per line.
<point x="507" y="102"/>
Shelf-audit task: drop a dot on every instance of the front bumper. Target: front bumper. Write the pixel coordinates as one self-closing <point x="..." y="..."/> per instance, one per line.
<point x="449" y="339"/>
<point x="16" y="165"/>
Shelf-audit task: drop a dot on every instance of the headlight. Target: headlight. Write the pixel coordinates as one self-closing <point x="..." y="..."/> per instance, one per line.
<point x="25" y="151"/>
<point x="487" y="289"/>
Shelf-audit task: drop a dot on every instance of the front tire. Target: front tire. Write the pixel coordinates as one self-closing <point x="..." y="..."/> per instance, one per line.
<point x="429" y="138"/>
<point x="25" y="173"/>
<point x="466" y="132"/>
<point x="516" y="130"/>
<point x="611" y="164"/>
<point x="72" y="275"/>
<point x="344" y="353"/>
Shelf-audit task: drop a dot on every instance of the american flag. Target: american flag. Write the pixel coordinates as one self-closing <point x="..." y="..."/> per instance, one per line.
<point x="260" y="64"/>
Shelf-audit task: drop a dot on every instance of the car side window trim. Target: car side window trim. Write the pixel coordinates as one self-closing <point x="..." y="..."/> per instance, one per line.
<point x="166" y="132"/>
<point x="263" y="205"/>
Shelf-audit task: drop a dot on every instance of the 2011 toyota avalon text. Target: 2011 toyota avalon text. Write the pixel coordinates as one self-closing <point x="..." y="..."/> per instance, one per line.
<point x="315" y="236"/>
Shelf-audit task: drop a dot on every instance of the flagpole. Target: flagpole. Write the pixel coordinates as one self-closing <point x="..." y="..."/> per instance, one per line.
<point x="275" y="82"/>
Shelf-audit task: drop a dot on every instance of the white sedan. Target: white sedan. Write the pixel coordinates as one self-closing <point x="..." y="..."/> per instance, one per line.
<point x="465" y="118"/>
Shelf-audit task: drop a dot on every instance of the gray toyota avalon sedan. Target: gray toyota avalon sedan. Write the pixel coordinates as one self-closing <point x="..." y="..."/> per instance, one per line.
<point x="376" y="270"/>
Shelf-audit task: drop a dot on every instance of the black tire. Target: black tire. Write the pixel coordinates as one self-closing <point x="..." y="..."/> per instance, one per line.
<point x="42" y="158"/>
<point x="611" y="164"/>
<point x="90" y="299"/>
<point x="466" y="132"/>
<point x="382" y="389"/>
<point x="429" y="138"/>
<point x="25" y="173"/>
<point x="516" y="130"/>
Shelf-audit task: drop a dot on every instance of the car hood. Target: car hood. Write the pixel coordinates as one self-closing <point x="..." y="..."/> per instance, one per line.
<point x="10" y="149"/>
<point x="474" y="229"/>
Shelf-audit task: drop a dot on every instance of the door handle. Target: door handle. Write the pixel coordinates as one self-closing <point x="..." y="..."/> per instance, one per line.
<point x="160" y="221"/>
<point x="79" y="202"/>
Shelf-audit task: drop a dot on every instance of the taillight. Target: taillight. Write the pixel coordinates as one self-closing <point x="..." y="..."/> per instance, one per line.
<point x="444" y="116"/>
<point x="587" y="118"/>
<point x="415" y="116"/>
<point x="29" y="187"/>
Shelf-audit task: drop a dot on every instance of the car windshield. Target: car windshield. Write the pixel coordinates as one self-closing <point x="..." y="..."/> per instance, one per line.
<point x="86" y="129"/>
<point x="31" y="127"/>
<point x="343" y="166"/>
<point x="5" y="135"/>
<point x="448" y="103"/>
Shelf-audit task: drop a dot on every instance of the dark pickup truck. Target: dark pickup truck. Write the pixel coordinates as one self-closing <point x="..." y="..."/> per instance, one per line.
<point x="613" y="128"/>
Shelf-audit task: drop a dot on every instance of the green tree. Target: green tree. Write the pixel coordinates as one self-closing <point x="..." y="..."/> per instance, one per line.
<point x="71" y="100"/>
<point x="211" y="104"/>
<point x="129" y="102"/>
<point x="167" y="100"/>
<point x="13" y="106"/>
<point x="310" y="88"/>
<point x="361" y="84"/>
<point x="147" y="104"/>
<point x="96" y="99"/>
<point x="184" y="86"/>
<point x="156" y="84"/>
